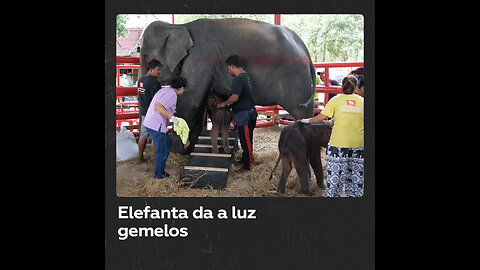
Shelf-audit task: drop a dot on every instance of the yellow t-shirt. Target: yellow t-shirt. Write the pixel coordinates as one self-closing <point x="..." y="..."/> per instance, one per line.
<point x="348" y="126"/>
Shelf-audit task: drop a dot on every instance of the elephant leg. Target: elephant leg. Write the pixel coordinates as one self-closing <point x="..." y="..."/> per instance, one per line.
<point x="316" y="163"/>
<point x="191" y="106"/>
<point x="226" y="147"/>
<point x="214" y="136"/>
<point x="303" y="171"/>
<point x="286" y="169"/>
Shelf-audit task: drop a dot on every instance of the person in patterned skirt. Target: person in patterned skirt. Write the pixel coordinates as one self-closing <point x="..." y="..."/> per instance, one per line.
<point x="344" y="156"/>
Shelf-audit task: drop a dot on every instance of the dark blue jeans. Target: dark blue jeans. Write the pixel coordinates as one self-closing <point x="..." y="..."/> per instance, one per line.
<point x="162" y="143"/>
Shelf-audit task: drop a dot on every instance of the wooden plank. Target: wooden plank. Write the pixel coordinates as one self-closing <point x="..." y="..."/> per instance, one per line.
<point x="213" y="162"/>
<point x="210" y="138"/>
<point x="202" y="179"/>
<point x="211" y="155"/>
<point x="205" y="168"/>
<point x="219" y="142"/>
<point x="231" y="133"/>
<point x="203" y="145"/>
<point x="129" y="127"/>
<point x="209" y="150"/>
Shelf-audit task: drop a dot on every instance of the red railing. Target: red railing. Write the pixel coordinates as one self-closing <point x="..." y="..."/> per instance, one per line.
<point x="274" y="111"/>
<point x="131" y="116"/>
<point x="327" y="88"/>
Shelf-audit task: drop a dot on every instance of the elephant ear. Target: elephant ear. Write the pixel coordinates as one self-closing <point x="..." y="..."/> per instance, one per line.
<point x="176" y="46"/>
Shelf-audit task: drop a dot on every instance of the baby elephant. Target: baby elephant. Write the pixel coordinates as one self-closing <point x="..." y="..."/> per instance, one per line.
<point x="300" y="144"/>
<point x="221" y="118"/>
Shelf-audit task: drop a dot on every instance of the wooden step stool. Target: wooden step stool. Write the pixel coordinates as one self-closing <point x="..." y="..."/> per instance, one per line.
<point x="205" y="168"/>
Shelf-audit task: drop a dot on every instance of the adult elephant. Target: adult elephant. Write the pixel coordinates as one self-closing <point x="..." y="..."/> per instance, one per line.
<point x="277" y="62"/>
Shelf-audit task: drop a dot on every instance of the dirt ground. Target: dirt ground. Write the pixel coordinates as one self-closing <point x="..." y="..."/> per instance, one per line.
<point x="137" y="179"/>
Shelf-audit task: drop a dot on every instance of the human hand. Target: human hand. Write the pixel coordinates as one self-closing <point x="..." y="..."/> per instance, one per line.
<point x="305" y="121"/>
<point x="174" y="120"/>
<point x="220" y="105"/>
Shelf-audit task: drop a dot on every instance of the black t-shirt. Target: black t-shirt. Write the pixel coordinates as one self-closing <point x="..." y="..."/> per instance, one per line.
<point x="147" y="88"/>
<point x="241" y="87"/>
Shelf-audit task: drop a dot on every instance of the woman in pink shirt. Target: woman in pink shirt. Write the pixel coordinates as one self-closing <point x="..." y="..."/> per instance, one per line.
<point x="159" y="114"/>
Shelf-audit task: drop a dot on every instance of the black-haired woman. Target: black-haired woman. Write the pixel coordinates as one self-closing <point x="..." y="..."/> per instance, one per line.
<point x="344" y="157"/>
<point x="159" y="114"/>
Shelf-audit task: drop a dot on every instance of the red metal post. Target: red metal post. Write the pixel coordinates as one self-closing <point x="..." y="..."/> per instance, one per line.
<point x="126" y="91"/>
<point x="264" y="123"/>
<point x="277" y="19"/>
<point x="173" y="18"/>
<point x="118" y="76"/>
<point x="128" y="66"/>
<point x="128" y="60"/>
<point x="122" y="116"/>
<point x="337" y="64"/>
<point x="327" y="77"/>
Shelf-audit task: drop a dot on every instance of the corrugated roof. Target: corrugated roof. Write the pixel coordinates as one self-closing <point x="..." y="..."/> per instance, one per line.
<point x="126" y="45"/>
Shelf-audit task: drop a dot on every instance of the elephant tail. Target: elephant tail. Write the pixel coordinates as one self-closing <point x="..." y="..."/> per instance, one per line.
<point x="281" y="147"/>
<point x="276" y="164"/>
<point x="314" y="86"/>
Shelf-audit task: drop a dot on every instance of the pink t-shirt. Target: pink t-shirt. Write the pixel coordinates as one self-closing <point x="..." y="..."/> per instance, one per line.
<point x="153" y="119"/>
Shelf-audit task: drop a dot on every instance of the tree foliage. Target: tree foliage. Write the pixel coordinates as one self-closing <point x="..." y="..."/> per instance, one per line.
<point x="329" y="38"/>
<point x="122" y="31"/>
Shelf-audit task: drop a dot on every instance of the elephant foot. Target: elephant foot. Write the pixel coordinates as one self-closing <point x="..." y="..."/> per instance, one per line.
<point x="281" y="188"/>
<point x="226" y="149"/>
<point x="214" y="150"/>
<point x="321" y="185"/>
<point x="306" y="192"/>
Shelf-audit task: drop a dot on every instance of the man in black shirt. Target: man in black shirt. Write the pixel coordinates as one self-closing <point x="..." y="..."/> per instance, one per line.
<point x="243" y="107"/>
<point x="147" y="87"/>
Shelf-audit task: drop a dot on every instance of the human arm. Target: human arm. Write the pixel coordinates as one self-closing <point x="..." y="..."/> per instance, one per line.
<point x="232" y="99"/>
<point x="327" y="112"/>
<point x="317" y="119"/>
<point x="159" y="107"/>
<point x="238" y="84"/>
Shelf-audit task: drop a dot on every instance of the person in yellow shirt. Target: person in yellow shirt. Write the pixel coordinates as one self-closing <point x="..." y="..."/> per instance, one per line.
<point x="344" y="157"/>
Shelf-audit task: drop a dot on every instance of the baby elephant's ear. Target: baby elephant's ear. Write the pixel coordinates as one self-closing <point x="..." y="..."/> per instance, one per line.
<point x="176" y="46"/>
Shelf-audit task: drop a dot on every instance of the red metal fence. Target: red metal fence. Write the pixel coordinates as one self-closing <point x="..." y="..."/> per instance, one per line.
<point x="127" y="112"/>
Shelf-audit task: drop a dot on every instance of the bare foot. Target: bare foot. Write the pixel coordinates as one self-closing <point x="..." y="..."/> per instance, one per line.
<point x="226" y="149"/>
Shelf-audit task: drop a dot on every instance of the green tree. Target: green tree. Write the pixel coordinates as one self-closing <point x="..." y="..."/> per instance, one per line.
<point x="342" y="37"/>
<point x="329" y="38"/>
<point x="122" y="31"/>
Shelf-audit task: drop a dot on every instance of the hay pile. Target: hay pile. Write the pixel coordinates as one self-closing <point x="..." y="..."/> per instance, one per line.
<point x="137" y="180"/>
